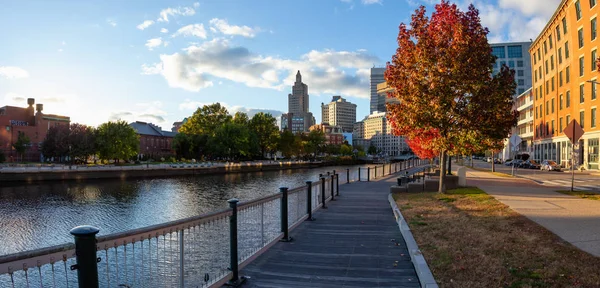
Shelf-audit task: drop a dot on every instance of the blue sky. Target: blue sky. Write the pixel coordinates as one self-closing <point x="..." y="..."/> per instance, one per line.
<point x="156" y="61"/>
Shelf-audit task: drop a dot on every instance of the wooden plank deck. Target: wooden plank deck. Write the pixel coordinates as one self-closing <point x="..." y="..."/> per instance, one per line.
<point x="354" y="243"/>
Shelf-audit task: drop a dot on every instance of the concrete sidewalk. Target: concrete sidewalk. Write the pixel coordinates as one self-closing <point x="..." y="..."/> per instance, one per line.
<point x="574" y="219"/>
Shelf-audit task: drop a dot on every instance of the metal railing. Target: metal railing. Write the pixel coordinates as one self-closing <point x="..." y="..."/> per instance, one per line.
<point x="197" y="251"/>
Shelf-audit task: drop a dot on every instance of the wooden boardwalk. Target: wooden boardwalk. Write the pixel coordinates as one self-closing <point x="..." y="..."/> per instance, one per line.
<point x="354" y="243"/>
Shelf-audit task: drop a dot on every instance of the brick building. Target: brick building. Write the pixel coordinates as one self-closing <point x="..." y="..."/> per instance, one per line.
<point x="154" y="142"/>
<point x="333" y="134"/>
<point x="33" y="123"/>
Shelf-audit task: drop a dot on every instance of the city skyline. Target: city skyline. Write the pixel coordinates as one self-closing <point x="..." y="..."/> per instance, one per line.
<point x="157" y="62"/>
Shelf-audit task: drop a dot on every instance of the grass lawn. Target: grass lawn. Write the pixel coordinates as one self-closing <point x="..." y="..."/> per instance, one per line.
<point x="581" y="194"/>
<point x="490" y="171"/>
<point x="470" y="239"/>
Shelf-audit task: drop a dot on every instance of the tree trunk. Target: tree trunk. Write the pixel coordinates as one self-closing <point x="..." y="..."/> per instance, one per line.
<point x="493" y="162"/>
<point x="449" y="165"/>
<point x="442" y="187"/>
<point x="472" y="161"/>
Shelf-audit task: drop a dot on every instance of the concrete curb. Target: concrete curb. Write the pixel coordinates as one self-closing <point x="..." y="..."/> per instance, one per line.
<point x="425" y="277"/>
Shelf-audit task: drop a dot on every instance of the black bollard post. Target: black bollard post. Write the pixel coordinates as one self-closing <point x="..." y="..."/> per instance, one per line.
<point x="235" y="281"/>
<point x="332" y="186"/>
<point x="358" y="174"/>
<point x="85" y="255"/>
<point x="309" y="201"/>
<point x="337" y="184"/>
<point x="323" y="192"/>
<point x="368" y="174"/>
<point x="348" y="176"/>
<point x="284" y="215"/>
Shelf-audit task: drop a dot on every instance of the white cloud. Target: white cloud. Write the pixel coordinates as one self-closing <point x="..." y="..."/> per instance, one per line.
<point x="111" y="22"/>
<point x="64" y="43"/>
<point x="154" y="42"/>
<point x="184" y="11"/>
<point x="60" y="50"/>
<point x="147" y="112"/>
<point x="328" y="71"/>
<point x="196" y="5"/>
<point x="543" y="8"/>
<point x="145" y="24"/>
<point x="12" y="72"/>
<point x="14" y="99"/>
<point x="196" y="30"/>
<point x="164" y="30"/>
<point x="369" y="2"/>
<point x="224" y="27"/>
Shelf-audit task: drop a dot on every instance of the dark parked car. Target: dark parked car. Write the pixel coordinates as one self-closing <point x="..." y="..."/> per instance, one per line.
<point x="530" y="164"/>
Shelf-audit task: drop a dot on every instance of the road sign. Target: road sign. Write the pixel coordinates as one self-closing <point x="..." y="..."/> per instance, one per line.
<point x="515" y="140"/>
<point x="573" y="131"/>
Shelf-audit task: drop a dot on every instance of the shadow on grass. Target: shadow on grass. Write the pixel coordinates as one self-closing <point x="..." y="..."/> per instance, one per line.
<point x="581" y="194"/>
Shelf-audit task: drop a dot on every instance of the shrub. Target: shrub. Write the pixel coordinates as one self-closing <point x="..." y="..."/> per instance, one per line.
<point x="2" y="157"/>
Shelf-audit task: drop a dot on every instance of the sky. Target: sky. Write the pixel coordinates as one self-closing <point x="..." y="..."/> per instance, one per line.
<point x="157" y="61"/>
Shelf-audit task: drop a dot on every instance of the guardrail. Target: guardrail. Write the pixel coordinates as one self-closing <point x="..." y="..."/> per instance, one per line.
<point x="206" y="250"/>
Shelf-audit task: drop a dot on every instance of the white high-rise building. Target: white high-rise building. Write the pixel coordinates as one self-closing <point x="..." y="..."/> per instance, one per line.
<point x="377" y="130"/>
<point x="339" y="112"/>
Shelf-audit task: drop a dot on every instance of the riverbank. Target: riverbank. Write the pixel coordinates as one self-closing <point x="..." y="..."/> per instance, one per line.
<point x="80" y="173"/>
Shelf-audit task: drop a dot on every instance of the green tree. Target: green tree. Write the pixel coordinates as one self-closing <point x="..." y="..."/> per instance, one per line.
<point x="82" y="142"/>
<point x="315" y="142"/>
<point x="56" y="143"/>
<point x="346" y="150"/>
<point x="265" y="127"/>
<point x="117" y="140"/>
<point x="21" y="144"/>
<point x="182" y="144"/>
<point x="206" y="120"/>
<point x="241" y="118"/>
<point x="372" y="150"/>
<point x="286" y="143"/>
<point x="442" y="75"/>
<point x="232" y="141"/>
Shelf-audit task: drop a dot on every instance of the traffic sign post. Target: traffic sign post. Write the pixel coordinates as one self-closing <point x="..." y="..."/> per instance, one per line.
<point x="574" y="132"/>
<point x="515" y="141"/>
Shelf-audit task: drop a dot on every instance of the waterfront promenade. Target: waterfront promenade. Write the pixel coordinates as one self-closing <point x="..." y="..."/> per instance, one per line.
<point x="354" y="243"/>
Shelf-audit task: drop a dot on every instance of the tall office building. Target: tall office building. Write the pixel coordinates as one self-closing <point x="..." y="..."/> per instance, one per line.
<point x="377" y="101"/>
<point x="376" y="130"/>
<point x="298" y="119"/>
<point x="564" y="67"/>
<point x="339" y="112"/>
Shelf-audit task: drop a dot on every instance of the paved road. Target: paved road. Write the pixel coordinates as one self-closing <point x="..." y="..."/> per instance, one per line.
<point x="354" y="243"/>
<point x="586" y="181"/>
<point x="574" y="219"/>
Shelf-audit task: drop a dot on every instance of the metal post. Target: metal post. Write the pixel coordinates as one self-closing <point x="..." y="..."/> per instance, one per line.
<point x="235" y="280"/>
<point x="309" y="201"/>
<point x="347" y="176"/>
<point x="284" y="215"/>
<point x="85" y="255"/>
<point x="181" y="262"/>
<point x="375" y="171"/>
<point x="337" y="184"/>
<point x="358" y="174"/>
<point x="368" y="174"/>
<point x="332" y="194"/>
<point x="323" y="192"/>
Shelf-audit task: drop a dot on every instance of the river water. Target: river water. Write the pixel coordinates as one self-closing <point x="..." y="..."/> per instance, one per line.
<point x="41" y="214"/>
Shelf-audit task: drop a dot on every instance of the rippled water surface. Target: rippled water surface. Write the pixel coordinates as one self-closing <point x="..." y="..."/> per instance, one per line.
<point x="39" y="215"/>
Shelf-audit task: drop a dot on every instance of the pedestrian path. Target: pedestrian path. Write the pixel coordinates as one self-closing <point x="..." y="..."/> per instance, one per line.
<point x="574" y="219"/>
<point x="354" y="243"/>
<point x="578" y="184"/>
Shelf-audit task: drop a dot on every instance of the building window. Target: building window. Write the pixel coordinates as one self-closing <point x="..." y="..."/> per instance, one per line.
<point x="552" y="81"/>
<point x="581" y="93"/>
<point x="568" y="119"/>
<point x="552" y="62"/>
<point x="557" y="33"/>
<point x="578" y="9"/>
<point x="568" y="74"/>
<point x="511" y="64"/>
<point x="560" y="102"/>
<point x="593" y="123"/>
<point x="547" y="87"/>
<point x="550" y="41"/>
<point x="582" y="118"/>
<point x="521" y="91"/>
<point x="580" y="37"/>
<point x="552" y="105"/>
<point x="568" y="100"/>
<point x="545" y="47"/>
<point x="560" y="124"/>
<point x="594" y="90"/>
<point x="534" y="58"/>
<point x="564" y="23"/>
<point x="515" y="51"/>
<point x="560" y="55"/>
<point x="594" y="66"/>
<point x="539" y="55"/>
<point x="498" y="51"/>
<point x="536" y="112"/>
<point x="519" y="63"/>
<point x="581" y="66"/>
<point x="547" y="67"/>
<point x="593" y="29"/>
<point x="552" y="127"/>
<point x="560" y="79"/>
<point x="567" y="50"/>
<point x="547" y="107"/>
<point x="593" y="153"/>
<point x="520" y="73"/>
<point x="592" y="3"/>
<point x="521" y="82"/>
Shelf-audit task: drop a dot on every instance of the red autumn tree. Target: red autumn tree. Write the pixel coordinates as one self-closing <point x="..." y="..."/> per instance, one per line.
<point x="419" y="143"/>
<point x="442" y="75"/>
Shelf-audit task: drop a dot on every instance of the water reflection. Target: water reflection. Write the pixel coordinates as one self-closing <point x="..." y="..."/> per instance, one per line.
<point x="41" y="214"/>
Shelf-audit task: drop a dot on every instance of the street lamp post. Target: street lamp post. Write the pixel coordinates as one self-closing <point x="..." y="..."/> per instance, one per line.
<point x="70" y="157"/>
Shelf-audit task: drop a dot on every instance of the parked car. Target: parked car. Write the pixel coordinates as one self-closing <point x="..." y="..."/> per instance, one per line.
<point x="508" y="162"/>
<point x="549" y="165"/>
<point x="497" y="161"/>
<point x="530" y="164"/>
<point x="517" y="162"/>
